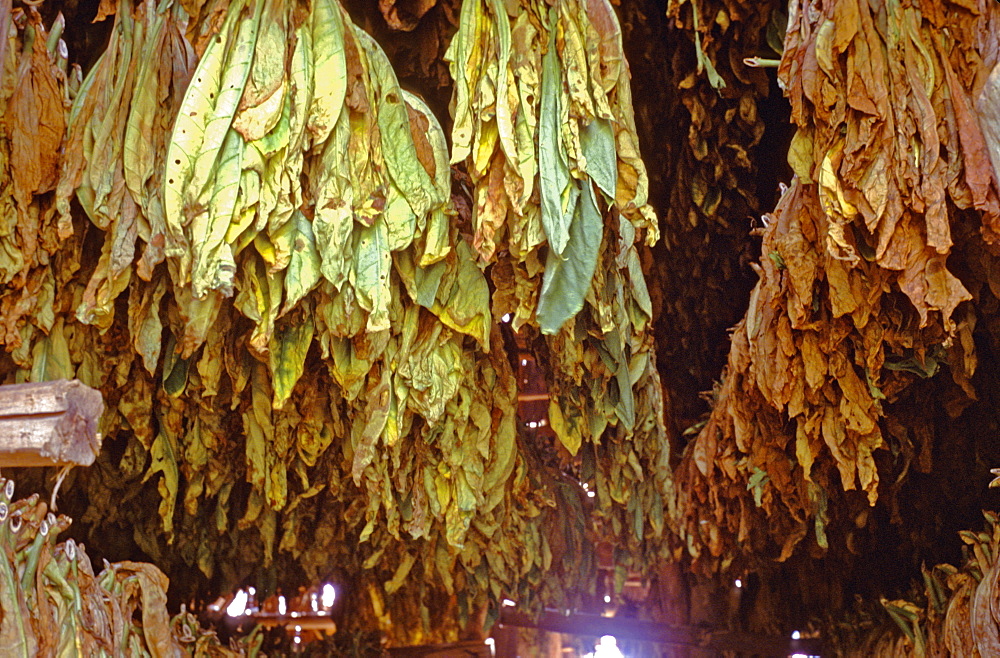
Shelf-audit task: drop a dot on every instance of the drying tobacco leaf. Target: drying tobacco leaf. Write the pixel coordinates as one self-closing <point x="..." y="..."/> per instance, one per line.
<point x="308" y="367"/>
<point x="33" y="97"/>
<point x="404" y="15"/>
<point x="856" y="299"/>
<point x="543" y="124"/>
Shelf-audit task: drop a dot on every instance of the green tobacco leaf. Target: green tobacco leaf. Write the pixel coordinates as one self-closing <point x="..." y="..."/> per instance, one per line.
<point x="214" y="267"/>
<point x="505" y="122"/>
<point x="51" y="359"/>
<point x="175" y="370"/>
<point x="289" y="347"/>
<point x="302" y="273"/>
<point x="466" y="306"/>
<point x="559" y="195"/>
<point x="204" y="119"/>
<point x="400" y="222"/>
<point x="334" y="220"/>
<point x="138" y="155"/>
<point x="398" y="149"/>
<point x="263" y="98"/>
<point x="371" y="274"/>
<point x="330" y="69"/>
<point x="567" y="278"/>
<point x="598" y="143"/>
<point x="164" y="455"/>
<point x="459" y="56"/>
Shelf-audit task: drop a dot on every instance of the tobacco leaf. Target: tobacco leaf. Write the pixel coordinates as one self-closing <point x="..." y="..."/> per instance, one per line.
<point x="814" y="362"/>
<point x="309" y="313"/>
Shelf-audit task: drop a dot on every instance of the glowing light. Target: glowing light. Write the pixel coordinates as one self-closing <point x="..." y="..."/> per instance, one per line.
<point x="297" y="639"/>
<point x="738" y="583"/>
<point x="508" y="603"/>
<point x="505" y="318"/>
<point x="298" y="629"/>
<point x="796" y="635"/>
<point x="524" y="362"/>
<point x="314" y="602"/>
<point x="282" y="606"/>
<point x="532" y="424"/>
<point x="329" y="595"/>
<point x="608" y="648"/>
<point x="607" y="598"/>
<point x="238" y="606"/>
<point x="591" y="494"/>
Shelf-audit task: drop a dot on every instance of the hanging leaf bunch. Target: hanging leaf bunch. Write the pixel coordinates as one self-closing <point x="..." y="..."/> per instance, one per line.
<point x="256" y="257"/>
<point x="856" y="299"/>
<point x="36" y="84"/>
<point x="543" y="125"/>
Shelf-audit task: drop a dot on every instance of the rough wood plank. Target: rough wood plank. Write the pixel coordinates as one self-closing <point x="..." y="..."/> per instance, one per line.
<point x="49" y="424"/>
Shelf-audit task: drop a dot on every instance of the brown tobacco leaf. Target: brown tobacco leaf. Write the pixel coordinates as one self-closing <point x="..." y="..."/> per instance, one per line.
<point x="404" y="15"/>
<point x="36" y="120"/>
<point x="106" y="8"/>
<point x="888" y="155"/>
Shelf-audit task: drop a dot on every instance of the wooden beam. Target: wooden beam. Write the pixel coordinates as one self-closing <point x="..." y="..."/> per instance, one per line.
<point x="49" y="424"/>
<point x="648" y="631"/>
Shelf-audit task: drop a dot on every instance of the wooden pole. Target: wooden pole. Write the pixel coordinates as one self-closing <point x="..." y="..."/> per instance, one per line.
<point x="49" y="424"/>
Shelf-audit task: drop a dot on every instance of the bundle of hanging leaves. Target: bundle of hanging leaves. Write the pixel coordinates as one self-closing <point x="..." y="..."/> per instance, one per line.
<point x="250" y="245"/>
<point x="544" y="128"/>
<point x="858" y="298"/>
<point x="710" y="176"/>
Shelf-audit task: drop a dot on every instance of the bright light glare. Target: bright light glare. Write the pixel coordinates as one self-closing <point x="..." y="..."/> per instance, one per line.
<point x="607" y="598"/>
<point x="505" y="318"/>
<point x="796" y="635"/>
<point x="238" y="606"/>
<point x="329" y="595"/>
<point x="314" y="602"/>
<point x="297" y="639"/>
<point x="738" y="583"/>
<point x="282" y="606"/>
<point x="508" y="603"/>
<point x="532" y="424"/>
<point x="608" y="648"/>
<point x="298" y="629"/>
<point x="524" y="362"/>
<point x="591" y="494"/>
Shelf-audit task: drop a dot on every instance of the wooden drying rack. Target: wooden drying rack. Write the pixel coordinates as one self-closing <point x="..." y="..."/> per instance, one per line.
<point x="49" y="424"/>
